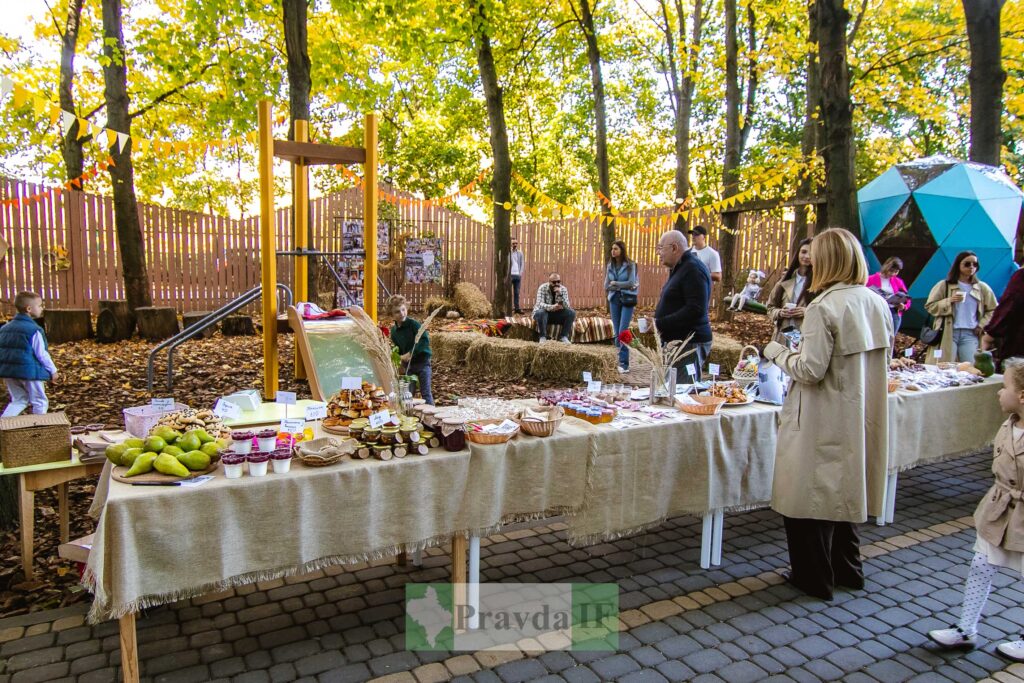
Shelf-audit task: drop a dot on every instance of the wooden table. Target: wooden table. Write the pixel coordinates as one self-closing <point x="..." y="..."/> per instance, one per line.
<point x="32" y="478"/>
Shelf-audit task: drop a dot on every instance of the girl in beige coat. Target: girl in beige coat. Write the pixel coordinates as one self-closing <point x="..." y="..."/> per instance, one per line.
<point x="999" y="520"/>
<point x="830" y="459"/>
<point x="962" y="305"/>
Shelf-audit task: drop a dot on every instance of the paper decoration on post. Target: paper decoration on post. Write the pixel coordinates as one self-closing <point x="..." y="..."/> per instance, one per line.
<point x="351" y="382"/>
<point x="162" y="403"/>
<point x="286" y="398"/>
<point x="909" y="351"/>
<point x="938" y="354"/>
<point x="691" y="370"/>
<point x="714" y="369"/>
<point x="226" y="410"/>
<point x="379" y="419"/>
<point x="587" y="377"/>
<point x="293" y="425"/>
<point x="316" y="412"/>
<point x="593" y="387"/>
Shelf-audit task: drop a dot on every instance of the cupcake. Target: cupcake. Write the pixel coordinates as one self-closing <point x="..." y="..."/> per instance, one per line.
<point x="232" y="464"/>
<point x="242" y="442"/>
<point x="258" y="463"/>
<point x="267" y="439"/>
<point x="282" y="460"/>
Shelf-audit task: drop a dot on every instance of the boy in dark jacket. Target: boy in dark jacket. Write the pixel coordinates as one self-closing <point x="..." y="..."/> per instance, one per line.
<point x="25" y="362"/>
<point x="415" y="361"/>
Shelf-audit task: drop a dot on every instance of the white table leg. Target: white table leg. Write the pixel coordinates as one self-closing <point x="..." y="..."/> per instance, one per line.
<point x="890" y="497"/>
<point x="880" y="520"/>
<point x="417" y="558"/>
<point x="474" y="582"/>
<point x="716" y="546"/>
<point x="706" y="539"/>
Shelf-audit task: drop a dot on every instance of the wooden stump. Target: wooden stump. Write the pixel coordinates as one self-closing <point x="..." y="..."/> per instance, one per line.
<point x="115" y="322"/>
<point x="157" y="322"/>
<point x="190" y="319"/>
<point x="284" y="326"/>
<point x="237" y="326"/>
<point x="67" y="324"/>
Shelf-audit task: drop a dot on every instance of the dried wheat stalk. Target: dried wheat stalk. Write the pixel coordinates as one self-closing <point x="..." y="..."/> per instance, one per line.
<point x="419" y="335"/>
<point x="664" y="356"/>
<point x="376" y="345"/>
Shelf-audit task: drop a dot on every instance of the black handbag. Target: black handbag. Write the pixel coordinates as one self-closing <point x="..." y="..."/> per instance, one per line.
<point x="931" y="334"/>
<point x="628" y="299"/>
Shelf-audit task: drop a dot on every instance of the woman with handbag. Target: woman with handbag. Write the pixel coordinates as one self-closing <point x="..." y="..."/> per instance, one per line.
<point x="887" y="284"/>
<point x="790" y="296"/>
<point x="962" y="306"/>
<point x="622" y="284"/>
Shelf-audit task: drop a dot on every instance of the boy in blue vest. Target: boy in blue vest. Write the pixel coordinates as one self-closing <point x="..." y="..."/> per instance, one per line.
<point x="25" y="362"/>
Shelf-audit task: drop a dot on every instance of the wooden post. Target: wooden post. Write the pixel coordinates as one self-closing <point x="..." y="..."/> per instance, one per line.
<point x="129" y="649"/>
<point x="300" y="209"/>
<point x="459" y="544"/>
<point x="28" y="509"/>
<point x="370" y="217"/>
<point x="268" y="252"/>
<point x="62" y="511"/>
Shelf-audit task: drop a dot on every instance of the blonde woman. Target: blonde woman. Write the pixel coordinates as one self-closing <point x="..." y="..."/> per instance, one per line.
<point x="830" y="459"/>
<point x="962" y="305"/>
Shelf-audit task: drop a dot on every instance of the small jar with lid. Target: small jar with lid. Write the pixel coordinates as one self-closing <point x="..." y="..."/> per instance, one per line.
<point x="594" y="416"/>
<point x="389" y="436"/>
<point x="454" y="431"/>
<point x="382" y="451"/>
<point x="371" y="435"/>
<point x="607" y="415"/>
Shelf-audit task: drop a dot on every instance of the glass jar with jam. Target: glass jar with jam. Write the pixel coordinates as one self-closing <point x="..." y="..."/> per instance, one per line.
<point x="389" y="436"/>
<point x="454" y="431"/>
<point x="371" y="435"/>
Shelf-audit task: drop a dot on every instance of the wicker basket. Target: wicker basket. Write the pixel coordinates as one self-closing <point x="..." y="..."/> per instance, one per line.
<point x="709" y="405"/>
<point x="747" y="376"/>
<point x="324" y="451"/>
<point x="487" y="439"/>
<point x="547" y="427"/>
<point x="138" y="421"/>
<point x="35" y="439"/>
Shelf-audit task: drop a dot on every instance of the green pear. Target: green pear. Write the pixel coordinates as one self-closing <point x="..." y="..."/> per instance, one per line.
<point x="223" y="444"/>
<point x="195" y="460"/>
<point x="144" y="463"/>
<point x="135" y="442"/>
<point x="204" y="436"/>
<point x="168" y="434"/>
<point x="172" y="450"/>
<point x="168" y="464"/>
<point x="155" y="444"/>
<point x="115" y="452"/>
<point x="211" y="449"/>
<point x="189" y="442"/>
<point x="129" y="456"/>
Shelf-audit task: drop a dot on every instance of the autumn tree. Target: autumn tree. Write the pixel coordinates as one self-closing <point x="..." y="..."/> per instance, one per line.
<point x="71" y="145"/>
<point x="986" y="79"/>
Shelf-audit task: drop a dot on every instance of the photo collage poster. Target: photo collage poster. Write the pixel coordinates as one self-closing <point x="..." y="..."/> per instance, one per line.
<point x="423" y="260"/>
<point x="351" y="263"/>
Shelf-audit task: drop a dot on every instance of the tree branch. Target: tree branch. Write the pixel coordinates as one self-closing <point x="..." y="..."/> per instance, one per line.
<point x="178" y="88"/>
<point x="856" y="23"/>
<point x="915" y="55"/>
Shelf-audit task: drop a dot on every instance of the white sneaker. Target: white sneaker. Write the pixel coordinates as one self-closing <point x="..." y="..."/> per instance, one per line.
<point x="542" y="340"/>
<point x="565" y="340"/>
<point x="1013" y="651"/>
<point x="622" y="370"/>
<point x="955" y="639"/>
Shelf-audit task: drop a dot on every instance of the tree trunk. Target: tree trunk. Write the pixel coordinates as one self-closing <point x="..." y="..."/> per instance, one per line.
<point x="300" y="84"/>
<point x="731" y="162"/>
<point x="237" y="326"/>
<point x="68" y="325"/>
<point x="810" y="141"/>
<point x="586" y="21"/>
<point x="115" y="322"/>
<point x="157" y="322"/>
<point x="837" y="115"/>
<point x="71" y="146"/>
<point x="986" y="79"/>
<point x="122" y="175"/>
<point x="501" y="183"/>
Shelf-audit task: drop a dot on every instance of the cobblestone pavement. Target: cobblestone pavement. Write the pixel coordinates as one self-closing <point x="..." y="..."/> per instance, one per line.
<point x="736" y="623"/>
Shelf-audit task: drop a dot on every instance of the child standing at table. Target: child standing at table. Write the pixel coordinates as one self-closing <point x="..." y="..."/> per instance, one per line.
<point x="25" y="362"/>
<point x="999" y="519"/>
<point x="415" y="354"/>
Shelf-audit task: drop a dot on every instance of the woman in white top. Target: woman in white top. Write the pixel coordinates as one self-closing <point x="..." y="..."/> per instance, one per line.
<point x="962" y="305"/>
<point x="791" y="294"/>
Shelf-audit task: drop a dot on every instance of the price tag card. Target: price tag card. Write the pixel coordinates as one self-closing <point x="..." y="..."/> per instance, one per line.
<point x="198" y="481"/>
<point x="593" y="387"/>
<point x="909" y="351"/>
<point x="938" y="354"/>
<point x="351" y="382"/>
<point x="226" y="410"/>
<point x="316" y="412"/>
<point x="379" y="419"/>
<point x="162" y="403"/>
<point x="293" y="425"/>
<point x="691" y="370"/>
<point x="286" y="398"/>
<point x="587" y="377"/>
<point x="714" y="369"/>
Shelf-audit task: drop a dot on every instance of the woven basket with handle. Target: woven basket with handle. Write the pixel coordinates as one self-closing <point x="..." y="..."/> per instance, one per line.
<point x="745" y="375"/>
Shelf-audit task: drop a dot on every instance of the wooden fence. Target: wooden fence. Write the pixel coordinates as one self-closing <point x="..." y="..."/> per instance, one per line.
<point x="197" y="262"/>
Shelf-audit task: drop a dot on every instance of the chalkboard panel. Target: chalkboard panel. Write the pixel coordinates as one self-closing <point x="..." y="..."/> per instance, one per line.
<point x="330" y="352"/>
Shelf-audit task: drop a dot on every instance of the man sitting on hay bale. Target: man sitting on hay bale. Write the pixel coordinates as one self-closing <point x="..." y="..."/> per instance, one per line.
<point x="552" y="306"/>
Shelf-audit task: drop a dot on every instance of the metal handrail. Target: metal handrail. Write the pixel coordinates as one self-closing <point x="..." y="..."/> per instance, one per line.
<point x="337" y="278"/>
<point x="208" y="321"/>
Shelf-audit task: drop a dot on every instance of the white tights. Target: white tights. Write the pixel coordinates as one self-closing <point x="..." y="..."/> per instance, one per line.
<point x="976" y="588"/>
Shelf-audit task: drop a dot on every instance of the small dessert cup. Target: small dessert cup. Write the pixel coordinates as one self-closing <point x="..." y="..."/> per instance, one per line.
<point x="232" y="464"/>
<point x="267" y="439"/>
<point x="282" y="460"/>
<point x="242" y="442"/>
<point x="258" y="463"/>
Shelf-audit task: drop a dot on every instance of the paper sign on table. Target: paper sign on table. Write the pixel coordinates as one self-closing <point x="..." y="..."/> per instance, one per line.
<point x="714" y="369"/>
<point x="909" y="351"/>
<point x="316" y="412"/>
<point x="379" y="419"/>
<point x="227" y="410"/>
<point x="351" y="382"/>
<point x="587" y="377"/>
<point x="691" y="370"/>
<point x="293" y="425"/>
<point x="162" y="403"/>
<point x="286" y="398"/>
<point x="593" y="387"/>
<point x="938" y="354"/>
<point x="198" y="481"/>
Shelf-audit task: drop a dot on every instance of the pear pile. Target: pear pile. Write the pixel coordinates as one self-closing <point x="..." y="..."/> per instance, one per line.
<point x="166" y="450"/>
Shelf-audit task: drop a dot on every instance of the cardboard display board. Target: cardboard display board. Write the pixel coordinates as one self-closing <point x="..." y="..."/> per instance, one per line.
<point x="331" y="352"/>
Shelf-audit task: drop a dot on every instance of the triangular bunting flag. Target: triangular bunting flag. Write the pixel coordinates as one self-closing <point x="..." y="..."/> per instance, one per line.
<point x="6" y="86"/>
<point x="77" y="182"/>
<point x="39" y="105"/>
<point x="54" y="115"/>
<point x="181" y="146"/>
<point x="122" y="140"/>
<point x="111" y="137"/>
<point x="67" y="119"/>
<point x="83" y="128"/>
<point x="20" y="95"/>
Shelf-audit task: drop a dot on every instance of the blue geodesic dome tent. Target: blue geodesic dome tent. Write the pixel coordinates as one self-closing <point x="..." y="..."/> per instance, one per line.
<point x="929" y="210"/>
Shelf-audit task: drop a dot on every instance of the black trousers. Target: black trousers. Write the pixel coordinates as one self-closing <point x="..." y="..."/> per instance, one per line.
<point x="823" y="555"/>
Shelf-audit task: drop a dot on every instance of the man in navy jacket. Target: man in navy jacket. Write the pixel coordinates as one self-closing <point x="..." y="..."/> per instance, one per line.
<point x="683" y="305"/>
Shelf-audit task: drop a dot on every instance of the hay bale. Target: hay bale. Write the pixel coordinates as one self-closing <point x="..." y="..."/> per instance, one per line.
<point x="451" y="347"/>
<point x="726" y="352"/>
<point x="503" y="358"/>
<point x="471" y="302"/>
<point x="521" y="332"/>
<point x="435" y="302"/>
<point x="555" y="361"/>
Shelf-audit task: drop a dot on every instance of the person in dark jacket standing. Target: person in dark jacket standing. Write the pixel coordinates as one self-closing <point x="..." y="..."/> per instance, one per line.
<point x="25" y="362"/>
<point x="683" y="305"/>
<point x="1004" y="334"/>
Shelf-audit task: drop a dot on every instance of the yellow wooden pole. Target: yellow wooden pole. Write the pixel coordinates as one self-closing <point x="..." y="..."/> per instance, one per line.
<point x="300" y="207"/>
<point x="268" y="252"/>
<point x="370" y="216"/>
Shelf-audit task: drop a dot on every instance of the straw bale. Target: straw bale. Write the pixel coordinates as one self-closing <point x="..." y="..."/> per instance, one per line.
<point x="567" y="362"/>
<point x="503" y="358"/>
<point x="435" y="302"/>
<point x="726" y="352"/>
<point x="471" y="302"/>
<point x="451" y="347"/>
<point x="521" y="332"/>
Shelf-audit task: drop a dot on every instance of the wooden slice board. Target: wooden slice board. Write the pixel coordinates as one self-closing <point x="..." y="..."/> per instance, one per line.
<point x="334" y="429"/>
<point x="154" y="477"/>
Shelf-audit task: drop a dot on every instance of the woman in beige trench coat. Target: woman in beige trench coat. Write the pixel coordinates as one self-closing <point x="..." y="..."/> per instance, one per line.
<point x="962" y="305"/>
<point x="830" y="460"/>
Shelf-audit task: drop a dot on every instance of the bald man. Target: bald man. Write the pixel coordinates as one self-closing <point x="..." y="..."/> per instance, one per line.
<point x="683" y="306"/>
